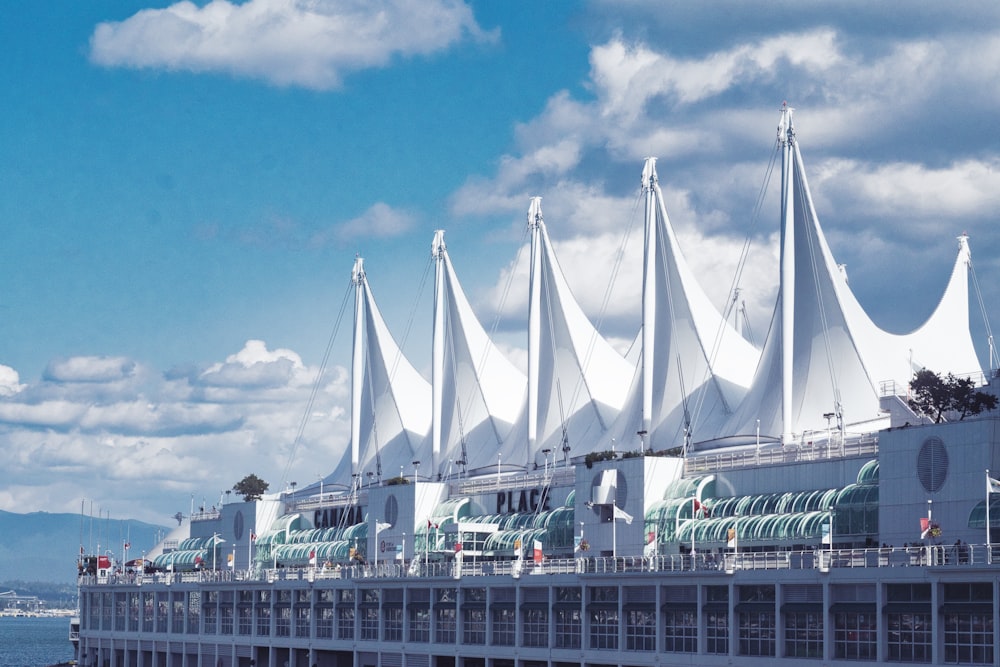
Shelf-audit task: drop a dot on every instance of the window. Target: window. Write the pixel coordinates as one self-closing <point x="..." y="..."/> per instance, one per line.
<point x="210" y="618"/>
<point x="177" y="623"/>
<point x="244" y="615"/>
<point x="717" y="632"/>
<point x="324" y="623"/>
<point x="302" y="621"/>
<point x="283" y="621"/>
<point x="121" y="611"/>
<point x="756" y="633"/>
<point x="148" y="613"/>
<point x="474" y="626"/>
<point x="640" y="630"/>
<point x="909" y="637"/>
<point x="804" y="634"/>
<point x="680" y="631"/>
<point x="535" y="627"/>
<point x="446" y="623"/>
<point x="263" y="620"/>
<point x="133" y="612"/>
<point x="604" y="624"/>
<point x="854" y="635"/>
<point x="504" y="626"/>
<point x="968" y="638"/>
<point x="568" y="625"/>
<point x="345" y="623"/>
<point x="420" y="625"/>
<point x="369" y="623"/>
<point x="226" y="620"/>
<point x="392" y="624"/>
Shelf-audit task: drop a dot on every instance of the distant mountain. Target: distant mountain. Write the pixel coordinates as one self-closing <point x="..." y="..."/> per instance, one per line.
<point x="45" y="547"/>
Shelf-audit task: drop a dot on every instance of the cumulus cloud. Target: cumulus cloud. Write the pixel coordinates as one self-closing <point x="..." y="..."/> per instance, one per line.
<point x="89" y="369"/>
<point x="308" y="43"/>
<point x="10" y="381"/>
<point x="143" y="447"/>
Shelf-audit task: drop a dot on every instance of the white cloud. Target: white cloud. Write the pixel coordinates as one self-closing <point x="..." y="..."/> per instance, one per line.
<point x="90" y="369"/>
<point x="380" y="221"/>
<point x="138" y="451"/>
<point x="10" y="381"/>
<point x="309" y="43"/>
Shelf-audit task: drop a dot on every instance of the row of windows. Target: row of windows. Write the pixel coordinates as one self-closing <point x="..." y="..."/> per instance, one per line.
<point x="613" y="619"/>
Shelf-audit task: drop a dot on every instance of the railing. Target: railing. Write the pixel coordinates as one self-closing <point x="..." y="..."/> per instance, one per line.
<point x="485" y="483"/>
<point x="334" y="499"/>
<point x="938" y="556"/>
<point x="854" y="445"/>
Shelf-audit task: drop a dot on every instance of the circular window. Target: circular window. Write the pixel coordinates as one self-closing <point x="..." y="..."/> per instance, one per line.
<point x="391" y="510"/>
<point x="238" y="524"/>
<point x="932" y="464"/>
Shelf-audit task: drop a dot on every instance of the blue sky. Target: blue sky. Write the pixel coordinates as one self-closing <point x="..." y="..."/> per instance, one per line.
<point x="183" y="188"/>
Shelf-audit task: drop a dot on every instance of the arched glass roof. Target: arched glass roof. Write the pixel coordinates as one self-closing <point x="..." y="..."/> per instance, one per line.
<point x="869" y="473"/>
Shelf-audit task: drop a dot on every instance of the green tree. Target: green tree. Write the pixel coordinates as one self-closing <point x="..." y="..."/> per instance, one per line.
<point x="251" y="487"/>
<point x="934" y="396"/>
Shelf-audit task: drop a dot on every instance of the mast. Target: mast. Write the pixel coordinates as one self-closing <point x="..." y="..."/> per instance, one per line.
<point x="357" y="361"/>
<point x="648" y="298"/>
<point x="786" y="138"/>
<point x="535" y="223"/>
<point x="438" y="249"/>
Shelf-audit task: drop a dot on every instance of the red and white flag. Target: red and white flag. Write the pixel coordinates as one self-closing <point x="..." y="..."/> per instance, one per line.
<point x="538" y="552"/>
<point x="312" y="557"/>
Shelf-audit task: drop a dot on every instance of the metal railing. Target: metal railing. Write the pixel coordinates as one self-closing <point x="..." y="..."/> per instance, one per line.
<point x="853" y="446"/>
<point x="938" y="556"/>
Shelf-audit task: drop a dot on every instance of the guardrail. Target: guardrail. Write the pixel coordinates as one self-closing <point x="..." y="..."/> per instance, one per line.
<point x="857" y="445"/>
<point x="938" y="556"/>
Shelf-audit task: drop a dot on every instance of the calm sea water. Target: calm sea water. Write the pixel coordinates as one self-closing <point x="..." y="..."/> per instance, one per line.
<point x="34" y="642"/>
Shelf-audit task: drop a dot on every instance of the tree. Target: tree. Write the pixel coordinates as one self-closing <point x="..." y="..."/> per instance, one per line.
<point x="934" y="396"/>
<point x="251" y="487"/>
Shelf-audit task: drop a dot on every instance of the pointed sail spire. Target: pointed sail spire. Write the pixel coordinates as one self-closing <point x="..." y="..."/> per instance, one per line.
<point x="390" y="401"/>
<point x="826" y="359"/>
<point x="478" y="393"/>
<point x="694" y="365"/>
<point x="577" y="382"/>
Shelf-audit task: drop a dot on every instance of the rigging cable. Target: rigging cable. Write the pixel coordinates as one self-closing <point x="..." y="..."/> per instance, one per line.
<point x="315" y="388"/>
<point x="994" y="364"/>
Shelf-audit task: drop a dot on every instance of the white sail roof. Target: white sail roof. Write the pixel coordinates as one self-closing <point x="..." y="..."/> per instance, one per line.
<point x="695" y="366"/>
<point x="836" y="357"/>
<point x="391" y="416"/>
<point x="482" y="393"/>
<point x="577" y="382"/>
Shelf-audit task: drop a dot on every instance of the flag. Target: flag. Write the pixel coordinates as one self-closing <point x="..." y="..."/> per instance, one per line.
<point x="826" y="539"/>
<point x="731" y="538"/>
<point x="992" y="485"/>
<point x="312" y="557"/>
<point x="458" y="547"/>
<point x="229" y="560"/>
<point x="929" y="528"/>
<point x="517" y="547"/>
<point x="253" y="536"/>
<point x="618" y="513"/>
<point x="103" y="563"/>
<point x="399" y="552"/>
<point x="650" y="549"/>
<point x="431" y="525"/>
<point x="127" y="545"/>
<point x="380" y="526"/>
<point x="538" y="552"/>
<point x="351" y="553"/>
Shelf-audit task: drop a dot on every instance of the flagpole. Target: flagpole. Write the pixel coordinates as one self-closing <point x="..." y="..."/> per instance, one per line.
<point x="989" y="549"/>
<point x="694" y="502"/>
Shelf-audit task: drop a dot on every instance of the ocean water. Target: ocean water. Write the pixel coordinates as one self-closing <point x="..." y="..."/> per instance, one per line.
<point x="34" y="642"/>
